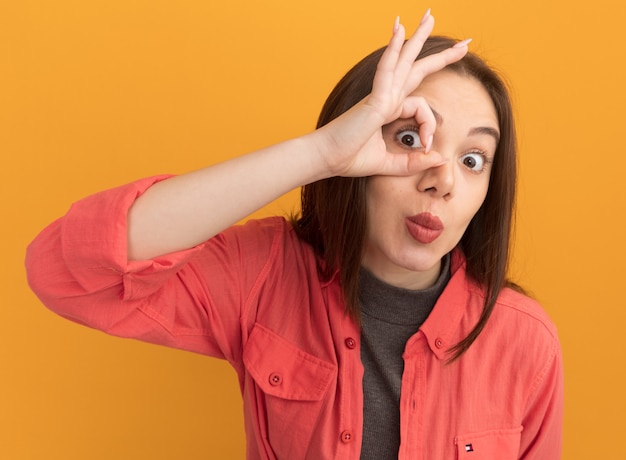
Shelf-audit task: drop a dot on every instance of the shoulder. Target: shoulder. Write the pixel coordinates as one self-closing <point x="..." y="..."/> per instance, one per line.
<point x="514" y="312"/>
<point x="511" y="310"/>
<point x="523" y="309"/>
<point x="269" y="227"/>
<point x="520" y="342"/>
<point x="521" y="330"/>
<point x="270" y="242"/>
<point x="257" y="235"/>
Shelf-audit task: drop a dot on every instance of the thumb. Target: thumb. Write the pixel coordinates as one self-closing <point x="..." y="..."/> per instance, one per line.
<point x="421" y="161"/>
<point x="407" y="164"/>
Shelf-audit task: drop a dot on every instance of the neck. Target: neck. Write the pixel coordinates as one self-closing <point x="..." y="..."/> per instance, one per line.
<point x="404" y="278"/>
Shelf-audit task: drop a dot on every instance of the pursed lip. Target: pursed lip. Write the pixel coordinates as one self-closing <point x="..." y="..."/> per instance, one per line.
<point x="424" y="227"/>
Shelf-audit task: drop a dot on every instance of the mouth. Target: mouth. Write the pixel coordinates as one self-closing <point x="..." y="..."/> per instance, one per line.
<point x="424" y="227"/>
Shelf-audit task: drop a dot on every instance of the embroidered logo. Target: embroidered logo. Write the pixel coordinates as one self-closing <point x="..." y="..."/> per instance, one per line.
<point x="469" y="448"/>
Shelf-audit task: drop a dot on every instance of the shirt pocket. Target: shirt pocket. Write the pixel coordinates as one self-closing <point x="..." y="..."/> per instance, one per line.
<point x="489" y="445"/>
<point x="290" y="388"/>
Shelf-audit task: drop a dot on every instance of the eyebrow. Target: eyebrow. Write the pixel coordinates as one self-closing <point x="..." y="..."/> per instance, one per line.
<point x="474" y="131"/>
<point x="438" y="117"/>
<point x="486" y="130"/>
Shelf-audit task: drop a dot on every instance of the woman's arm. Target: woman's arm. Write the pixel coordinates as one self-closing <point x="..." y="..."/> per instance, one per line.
<point x="184" y="211"/>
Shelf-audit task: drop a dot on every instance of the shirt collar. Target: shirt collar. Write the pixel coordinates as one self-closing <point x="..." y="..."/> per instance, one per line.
<point x="444" y="327"/>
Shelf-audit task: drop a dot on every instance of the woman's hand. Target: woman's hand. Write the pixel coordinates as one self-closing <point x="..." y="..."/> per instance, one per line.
<point x="352" y="144"/>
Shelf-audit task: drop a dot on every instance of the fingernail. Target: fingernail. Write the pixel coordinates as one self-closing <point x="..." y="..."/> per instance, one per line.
<point x="463" y="43"/>
<point x="396" y="24"/>
<point x="429" y="144"/>
<point x="425" y="17"/>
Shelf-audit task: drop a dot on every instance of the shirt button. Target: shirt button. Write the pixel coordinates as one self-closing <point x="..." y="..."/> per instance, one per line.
<point x="350" y="343"/>
<point x="346" y="436"/>
<point x="275" y="379"/>
<point x="438" y="342"/>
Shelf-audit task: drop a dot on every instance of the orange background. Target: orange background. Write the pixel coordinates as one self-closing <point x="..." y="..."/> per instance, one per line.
<point x="97" y="93"/>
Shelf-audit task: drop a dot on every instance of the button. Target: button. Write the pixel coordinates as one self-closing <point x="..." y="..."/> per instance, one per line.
<point x="275" y="379"/>
<point x="346" y="436"/>
<point x="438" y="342"/>
<point x="350" y="343"/>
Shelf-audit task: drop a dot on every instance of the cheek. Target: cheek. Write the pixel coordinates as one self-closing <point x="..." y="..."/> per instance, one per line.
<point x="472" y="205"/>
<point x="480" y="199"/>
<point x="378" y="194"/>
<point x="384" y="197"/>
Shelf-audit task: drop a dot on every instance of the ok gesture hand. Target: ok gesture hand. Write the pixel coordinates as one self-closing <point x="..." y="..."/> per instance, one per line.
<point x="354" y="144"/>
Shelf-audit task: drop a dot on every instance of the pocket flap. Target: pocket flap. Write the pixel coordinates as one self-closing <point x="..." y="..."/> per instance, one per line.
<point x="283" y="370"/>
<point x="486" y="445"/>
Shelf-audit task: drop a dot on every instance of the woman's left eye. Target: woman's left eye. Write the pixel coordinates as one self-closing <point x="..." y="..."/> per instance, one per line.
<point x="409" y="138"/>
<point x="475" y="161"/>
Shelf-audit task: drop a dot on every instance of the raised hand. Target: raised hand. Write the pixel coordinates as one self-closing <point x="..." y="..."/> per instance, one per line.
<point x="355" y="146"/>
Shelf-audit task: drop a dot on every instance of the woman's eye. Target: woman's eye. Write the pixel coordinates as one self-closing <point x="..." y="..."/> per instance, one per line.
<point x="474" y="161"/>
<point x="409" y="138"/>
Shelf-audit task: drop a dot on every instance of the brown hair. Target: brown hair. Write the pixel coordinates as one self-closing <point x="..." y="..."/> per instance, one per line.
<point x="333" y="216"/>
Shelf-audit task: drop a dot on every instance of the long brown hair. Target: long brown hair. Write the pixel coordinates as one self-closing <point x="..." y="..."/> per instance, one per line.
<point x="333" y="215"/>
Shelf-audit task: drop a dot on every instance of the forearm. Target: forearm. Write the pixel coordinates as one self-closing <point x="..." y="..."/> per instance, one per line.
<point x="186" y="210"/>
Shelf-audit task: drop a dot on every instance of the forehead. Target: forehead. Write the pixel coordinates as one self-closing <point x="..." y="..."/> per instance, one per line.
<point x="463" y="97"/>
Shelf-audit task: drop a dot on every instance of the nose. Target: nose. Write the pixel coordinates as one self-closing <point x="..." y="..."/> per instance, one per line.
<point x="438" y="180"/>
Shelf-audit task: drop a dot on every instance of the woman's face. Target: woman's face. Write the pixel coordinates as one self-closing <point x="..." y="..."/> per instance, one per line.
<point x="414" y="221"/>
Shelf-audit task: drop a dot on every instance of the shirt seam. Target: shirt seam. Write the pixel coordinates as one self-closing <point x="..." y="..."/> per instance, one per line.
<point x="548" y="326"/>
<point x="175" y="331"/>
<point x="262" y="276"/>
<point x="540" y="377"/>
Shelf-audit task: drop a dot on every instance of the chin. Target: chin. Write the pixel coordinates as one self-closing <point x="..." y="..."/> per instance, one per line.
<point x="422" y="265"/>
<point x="424" y="259"/>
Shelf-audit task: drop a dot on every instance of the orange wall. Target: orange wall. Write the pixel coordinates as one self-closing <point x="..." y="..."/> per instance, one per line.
<point x="97" y="93"/>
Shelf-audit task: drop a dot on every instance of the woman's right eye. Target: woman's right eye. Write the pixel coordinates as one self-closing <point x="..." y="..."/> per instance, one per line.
<point x="409" y="138"/>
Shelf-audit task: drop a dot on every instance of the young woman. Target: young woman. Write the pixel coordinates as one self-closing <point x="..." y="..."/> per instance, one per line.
<point x="376" y="324"/>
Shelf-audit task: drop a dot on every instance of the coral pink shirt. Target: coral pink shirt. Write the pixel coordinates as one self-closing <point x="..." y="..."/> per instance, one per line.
<point x="252" y="295"/>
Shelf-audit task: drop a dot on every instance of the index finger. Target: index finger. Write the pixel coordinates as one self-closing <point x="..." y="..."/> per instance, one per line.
<point x="418" y="109"/>
<point x="425" y="66"/>
<point x="413" y="46"/>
